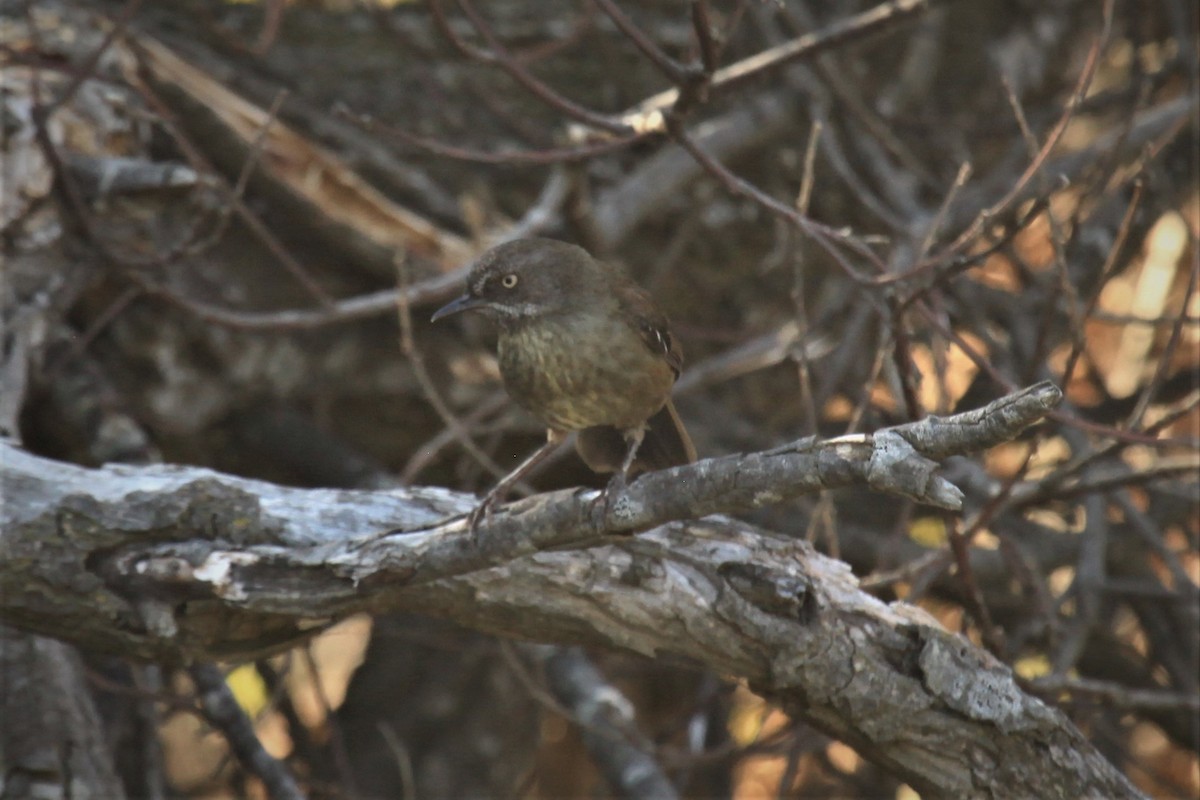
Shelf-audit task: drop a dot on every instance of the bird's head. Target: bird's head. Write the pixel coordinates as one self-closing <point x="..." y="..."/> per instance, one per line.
<point x="528" y="278"/>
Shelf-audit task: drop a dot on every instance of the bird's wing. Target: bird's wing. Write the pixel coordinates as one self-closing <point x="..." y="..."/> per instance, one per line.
<point x="652" y="325"/>
<point x="658" y="338"/>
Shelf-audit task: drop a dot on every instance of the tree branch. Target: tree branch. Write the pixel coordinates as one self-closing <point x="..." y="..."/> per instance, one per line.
<point x="177" y="562"/>
<point x="222" y="710"/>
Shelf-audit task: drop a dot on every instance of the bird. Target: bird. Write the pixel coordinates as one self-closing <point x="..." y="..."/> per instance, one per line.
<point x="585" y="350"/>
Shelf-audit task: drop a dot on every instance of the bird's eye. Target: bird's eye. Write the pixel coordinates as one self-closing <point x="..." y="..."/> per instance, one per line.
<point x="508" y="281"/>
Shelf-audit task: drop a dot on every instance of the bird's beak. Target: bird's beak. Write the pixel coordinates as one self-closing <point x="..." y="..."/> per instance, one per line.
<point x="464" y="303"/>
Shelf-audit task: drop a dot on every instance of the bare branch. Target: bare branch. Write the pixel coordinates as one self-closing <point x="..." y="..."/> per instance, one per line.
<point x="260" y="566"/>
<point x="222" y="710"/>
<point x="648" y="115"/>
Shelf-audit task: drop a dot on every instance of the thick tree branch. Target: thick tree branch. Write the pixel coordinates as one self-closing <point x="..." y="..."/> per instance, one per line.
<point x="606" y="723"/>
<point x="175" y="562"/>
<point x="158" y="537"/>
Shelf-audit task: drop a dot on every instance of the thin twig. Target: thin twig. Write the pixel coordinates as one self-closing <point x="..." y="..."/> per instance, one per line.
<point x="337" y="741"/>
<point x="500" y="56"/>
<point x="416" y="359"/>
<point x="557" y="155"/>
<point x="201" y="164"/>
<point x="225" y="215"/>
<point x="1114" y="694"/>
<point x="223" y="711"/>
<point x="672" y="69"/>
<point x="1108" y="271"/>
<point x="960" y="180"/>
<point x="828" y="238"/>
<point x="87" y="69"/>
<point x="968" y="236"/>
<point x="702" y="24"/>
<point x="649" y="113"/>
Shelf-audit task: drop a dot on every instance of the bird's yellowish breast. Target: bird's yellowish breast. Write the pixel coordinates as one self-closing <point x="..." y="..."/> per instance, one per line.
<point x="583" y="370"/>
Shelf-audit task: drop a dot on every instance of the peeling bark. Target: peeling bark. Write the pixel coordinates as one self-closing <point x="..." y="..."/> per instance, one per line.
<point x="179" y="563"/>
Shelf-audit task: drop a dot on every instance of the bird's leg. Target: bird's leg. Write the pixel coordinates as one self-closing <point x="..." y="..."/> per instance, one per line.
<point x="553" y="439"/>
<point x="616" y="484"/>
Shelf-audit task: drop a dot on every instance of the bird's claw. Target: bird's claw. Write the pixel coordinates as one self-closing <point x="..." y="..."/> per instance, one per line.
<point x="603" y="502"/>
<point x="480" y="513"/>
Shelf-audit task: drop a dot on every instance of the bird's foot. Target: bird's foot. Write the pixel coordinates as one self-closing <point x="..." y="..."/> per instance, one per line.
<point x="477" y="515"/>
<point x="603" y="504"/>
<point x="483" y="512"/>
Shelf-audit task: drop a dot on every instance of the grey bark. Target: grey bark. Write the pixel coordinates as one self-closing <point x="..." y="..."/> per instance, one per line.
<point x="179" y="563"/>
<point x="51" y="741"/>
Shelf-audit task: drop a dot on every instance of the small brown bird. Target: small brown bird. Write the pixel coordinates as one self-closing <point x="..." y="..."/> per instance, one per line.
<point x="583" y="348"/>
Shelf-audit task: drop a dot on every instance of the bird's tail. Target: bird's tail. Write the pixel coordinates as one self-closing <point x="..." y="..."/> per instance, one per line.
<point x="665" y="444"/>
